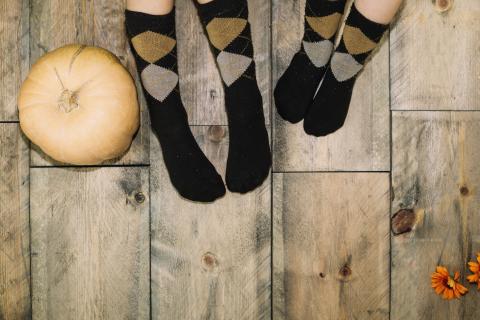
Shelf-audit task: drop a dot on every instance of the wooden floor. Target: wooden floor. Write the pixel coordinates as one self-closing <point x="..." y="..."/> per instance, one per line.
<point x="346" y="227"/>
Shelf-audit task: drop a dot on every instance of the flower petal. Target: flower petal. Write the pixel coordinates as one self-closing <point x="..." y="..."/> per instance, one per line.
<point x="474" y="267"/>
<point x="456" y="276"/>
<point x="442" y="270"/>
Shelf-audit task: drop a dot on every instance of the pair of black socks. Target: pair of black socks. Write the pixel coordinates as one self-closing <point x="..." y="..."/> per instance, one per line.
<point x="296" y="98"/>
<point x="153" y="40"/>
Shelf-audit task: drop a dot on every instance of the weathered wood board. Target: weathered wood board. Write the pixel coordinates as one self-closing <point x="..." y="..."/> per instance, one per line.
<point x="14" y="228"/>
<point x="14" y="51"/>
<point x="331" y="246"/>
<point x="200" y="82"/>
<point x="209" y="261"/>
<point x="90" y="243"/>
<point x="363" y="142"/>
<point x="436" y="70"/>
<point x="100" y="23"/>
<point x="436" y="182"/>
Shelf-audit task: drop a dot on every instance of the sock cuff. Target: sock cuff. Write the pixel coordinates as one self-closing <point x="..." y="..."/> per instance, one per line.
<point x="218" y="8"/>
<point x="138" y="22"/>
<point x="371" y="29"/>
<point x="320" y="8"/>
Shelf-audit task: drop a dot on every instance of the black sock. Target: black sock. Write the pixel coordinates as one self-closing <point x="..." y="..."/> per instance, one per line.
<point x="228" y="30"/>
<point x="330" y="106"/>
<point x="153" y="41"/>
<point x="296" y="87"/>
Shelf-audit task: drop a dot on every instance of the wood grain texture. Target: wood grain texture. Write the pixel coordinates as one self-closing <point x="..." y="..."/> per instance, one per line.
<point x="14" y="51"/>
<point x="209" y="261"/>
<point x="435" y="174"/>
<point x="436" y="70"/>
<point x="100" y="23"/>
<point x="363" y="142"/>
<point x="200" y="82"/>
<point x="90" y="243"/>
<point x="14" y="229"/>
<point x="331" y="246"/>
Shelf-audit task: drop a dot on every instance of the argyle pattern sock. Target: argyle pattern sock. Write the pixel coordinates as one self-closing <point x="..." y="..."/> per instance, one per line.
<point x="228" y="30"/>
<point x="330" y="106"/>
<point x="153" y="41"/>
<point x="296" y="87"/>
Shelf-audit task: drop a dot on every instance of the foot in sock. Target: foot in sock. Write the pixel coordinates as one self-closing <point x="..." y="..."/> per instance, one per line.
<point x="228" y="30"/>
<point x="330" y="106"/>
<point x="153" y="41"/>
<point x="295" y="89"/>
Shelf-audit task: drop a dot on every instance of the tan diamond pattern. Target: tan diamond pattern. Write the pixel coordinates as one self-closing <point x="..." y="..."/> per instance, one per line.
<point x="356" y="42"/>
<point x="152" y="46"/>
<point x="325" y="26"/>
<point x="222" y="31"/>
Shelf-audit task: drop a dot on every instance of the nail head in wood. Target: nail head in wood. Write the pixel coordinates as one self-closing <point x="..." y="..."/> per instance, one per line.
<point x="139" y="197"/>
<point x="216" y="133"/>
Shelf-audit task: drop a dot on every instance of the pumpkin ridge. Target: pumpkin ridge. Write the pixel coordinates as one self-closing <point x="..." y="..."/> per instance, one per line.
<point x="75" y="56"/>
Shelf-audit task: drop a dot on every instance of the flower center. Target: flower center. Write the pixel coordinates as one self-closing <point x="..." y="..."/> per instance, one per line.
<point x="451" y="282"/>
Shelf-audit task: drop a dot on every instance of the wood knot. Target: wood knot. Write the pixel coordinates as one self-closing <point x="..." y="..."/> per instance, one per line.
<point x="443" y="5"/>
<point x="345" y="271"/>
<point x="321" y="275"/>
<point x="403" y="221"/>
<point x="209" y="261"/>
<point x="139" y="197"/>
<point x="213" y="94"/>
<point x="216" y="133"/>
<point x="464" y="191"/>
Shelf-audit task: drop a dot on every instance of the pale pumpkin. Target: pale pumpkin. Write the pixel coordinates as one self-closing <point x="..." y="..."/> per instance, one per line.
<point x="79" y="105"/>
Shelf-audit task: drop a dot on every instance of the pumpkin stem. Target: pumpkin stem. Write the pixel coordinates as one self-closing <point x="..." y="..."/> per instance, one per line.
<point x="68" y="101"/>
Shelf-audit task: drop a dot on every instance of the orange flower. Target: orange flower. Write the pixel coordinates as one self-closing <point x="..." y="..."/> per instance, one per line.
<point x="475" y="268"/>
<point x="446" y="285"/>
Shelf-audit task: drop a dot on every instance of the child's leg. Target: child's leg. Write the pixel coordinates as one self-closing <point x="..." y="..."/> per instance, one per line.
<point x="296" y="87"/>
<point x="155" y="7"/>
<point x="379" y="11"/>
<point x="228" y="30"/>
<point x="365" y="25"/>
<point x="151" y="30"/>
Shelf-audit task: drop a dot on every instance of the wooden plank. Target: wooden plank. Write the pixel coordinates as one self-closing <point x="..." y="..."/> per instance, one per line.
<point x="209" y="261"/>
<point x="200" y="83"/>
<point x="434" y="56"/>
<point x="331" y="246"/>
<point x="435" y="182"/>
<point x="99" y="23"/>
<point x="14" y="51"/>
<point x="90" y="243"/>
<point x="14" y="229"/>
<point x="363" y="142"/>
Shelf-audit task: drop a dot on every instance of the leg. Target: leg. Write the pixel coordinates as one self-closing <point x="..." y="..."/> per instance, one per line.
<point x="226" y="23"/>
<point x="295" y="89"/>
<point x="151" y="31"/>
<point x="379" y="11"/>
<point x="363" y="30"/>
<point x="155" y="7"/>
